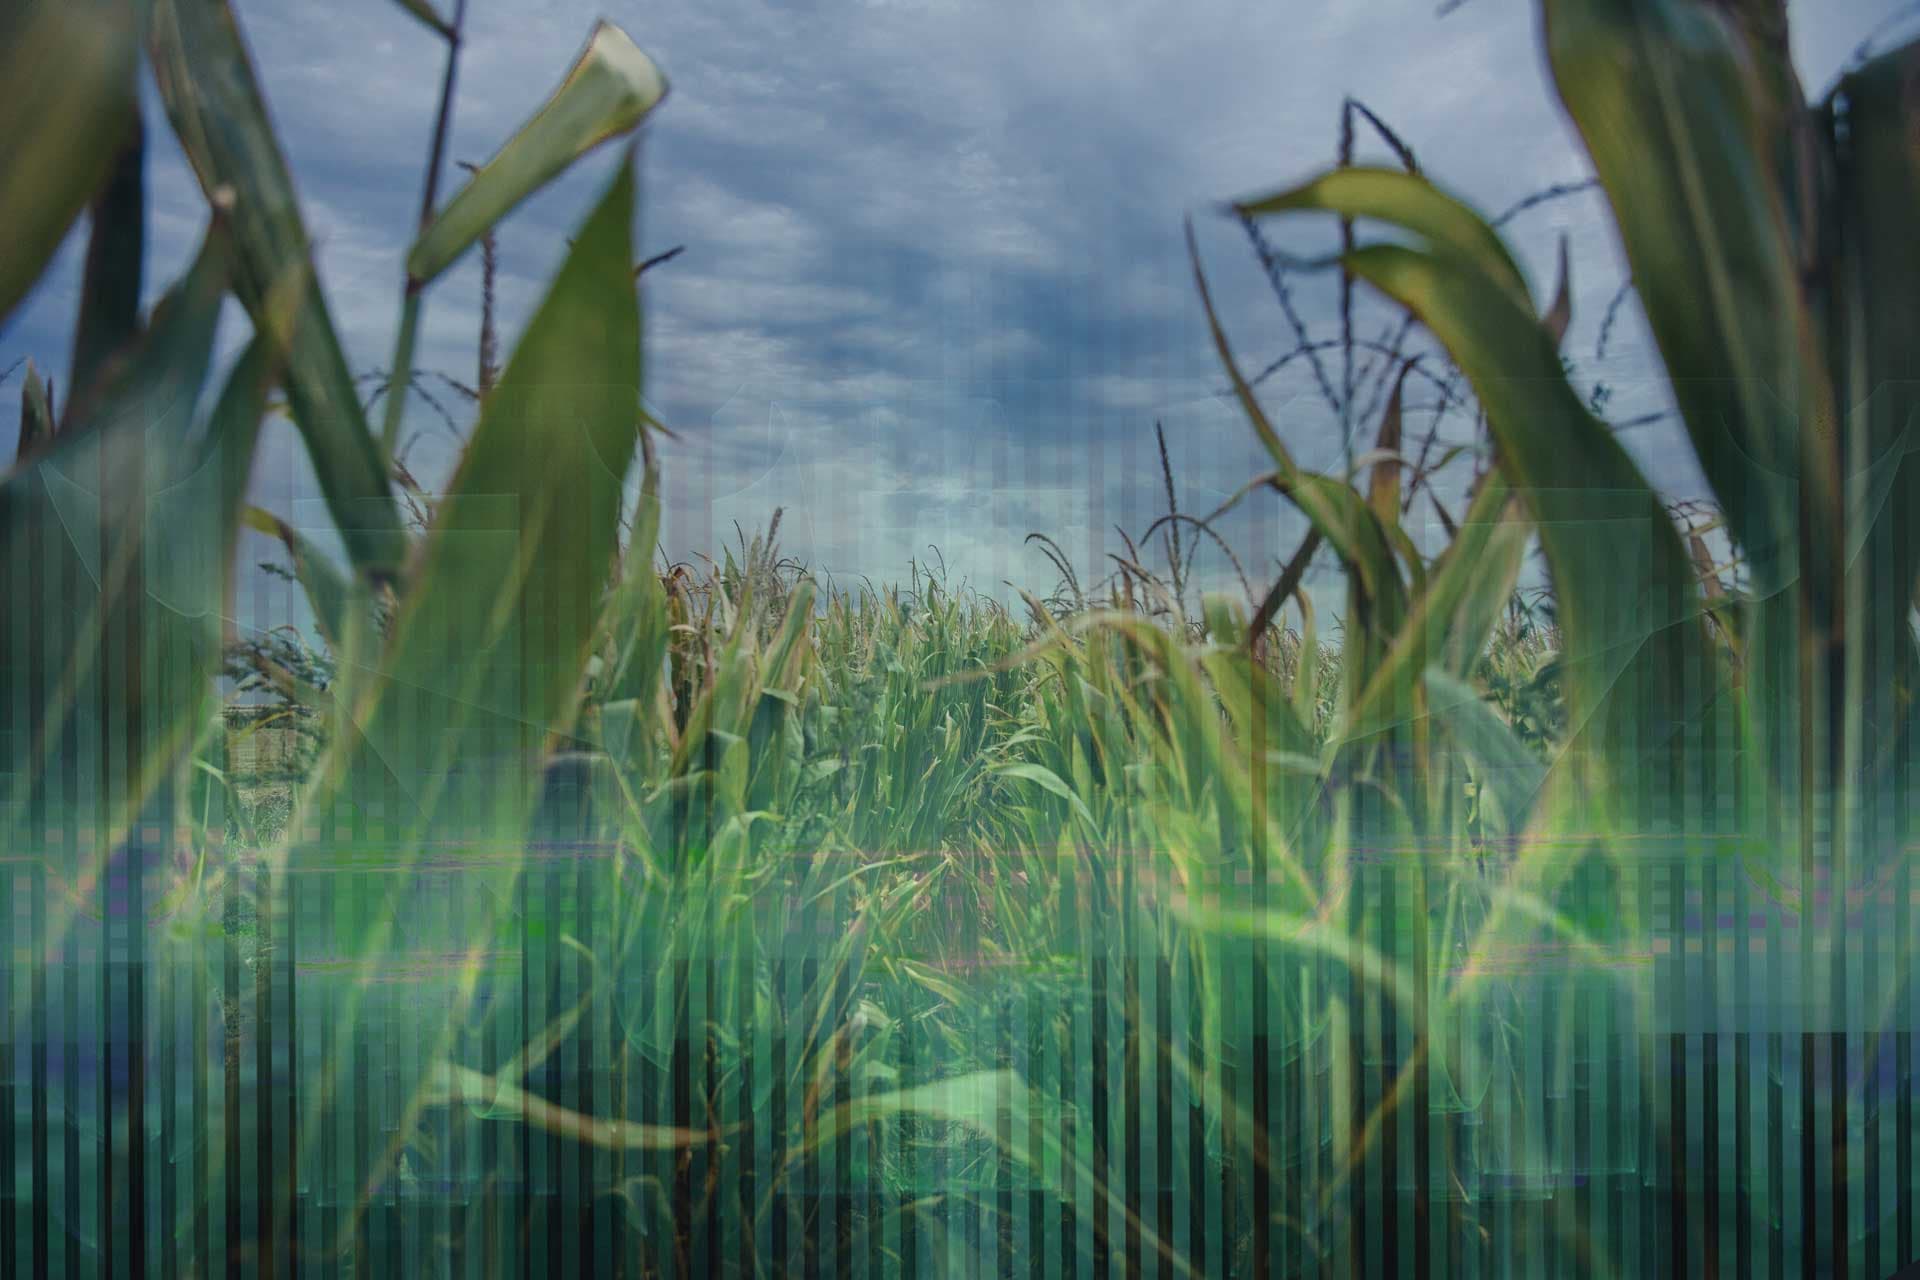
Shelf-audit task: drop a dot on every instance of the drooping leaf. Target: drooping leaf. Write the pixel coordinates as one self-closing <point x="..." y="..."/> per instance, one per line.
<point x="995" y="1104"/>
<point x="1676" y="122"/>
<point x="1641" y="670"/>
<point x="69" y="70"/>
<point x="1642" y="676"/>
<point x="1404" y="200"/>
<point x="1051" y="782"/>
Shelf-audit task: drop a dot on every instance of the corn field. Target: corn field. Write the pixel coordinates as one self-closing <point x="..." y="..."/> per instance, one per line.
<point x="622" y="917"/>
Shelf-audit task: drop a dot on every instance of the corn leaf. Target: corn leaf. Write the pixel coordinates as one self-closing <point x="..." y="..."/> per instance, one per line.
<point x="327" y="590"/>
<point x="1452" y="618"/>
<point x="1641" y="671"/>
<point x="1333" y="507"/>
<point x="1404" y="200"/>
<point x="110" y="290"/>
<point x="514" y="569"/>
<point x="214" y="103"/>
<point x="1687" y="136"/>
<point x="117" y="543"/>
<point x="1514" y="773"/>
<point x="69" y="70"/>
<point x="1669" y="112"/>
<point x="608" y="92"/>
<point x="428" y="18"/>
<point x="1874" y="333"/>
<point x="36" y="415"/>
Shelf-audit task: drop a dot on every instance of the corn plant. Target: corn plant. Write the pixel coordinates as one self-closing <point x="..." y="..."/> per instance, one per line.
<point x="120" y="522"/>
<point x="1770" y="731"/>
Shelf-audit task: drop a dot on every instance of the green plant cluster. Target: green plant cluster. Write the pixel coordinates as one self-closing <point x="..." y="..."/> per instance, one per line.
<point x="726" y="919"/>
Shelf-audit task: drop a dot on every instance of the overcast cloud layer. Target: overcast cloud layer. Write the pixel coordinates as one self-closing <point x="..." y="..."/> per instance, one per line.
<point x="934" y="288"/>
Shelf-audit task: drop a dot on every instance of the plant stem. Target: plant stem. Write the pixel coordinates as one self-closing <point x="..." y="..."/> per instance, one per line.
<point x="401" y="376"/>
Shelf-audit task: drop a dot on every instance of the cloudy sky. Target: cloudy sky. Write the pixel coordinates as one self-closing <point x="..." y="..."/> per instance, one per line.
<point x="934" y="290"/>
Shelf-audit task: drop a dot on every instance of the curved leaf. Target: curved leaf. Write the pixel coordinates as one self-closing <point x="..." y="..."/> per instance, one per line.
<point x="1405" y="200"/>
<point x="1332" y="506"/>
<point x="1641" y="670"/>
<point x="609" y="91"/>
<point x="116" y="244"/>
<point x="1514" y="773"/>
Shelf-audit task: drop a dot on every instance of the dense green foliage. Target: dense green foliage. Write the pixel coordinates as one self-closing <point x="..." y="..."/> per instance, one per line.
<point x="722" y="919"/>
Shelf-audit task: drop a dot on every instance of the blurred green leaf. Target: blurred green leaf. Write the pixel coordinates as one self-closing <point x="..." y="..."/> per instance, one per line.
<point x="1640" y="667"/>
<point x="494" y="628"/>
<point x="1688" y="138"/>
<point x="213" y="100"/>
<point x="1404" y="200"/>
<point x="36" y="414"/>
<point x="120" y="536"/>
<point x="1334" y="507"/>
<point x="424" y="11"/>
<point x="1641" y="670"/>
<point x="1506" y="765"/>
<point x="68" y="67"/>
<point x="1874" y="330"/>
<point x="116" y="245"/>
<point x="609" y="91"/>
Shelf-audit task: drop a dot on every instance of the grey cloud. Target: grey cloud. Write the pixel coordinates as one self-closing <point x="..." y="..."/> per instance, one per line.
<point x="935" y="286"/>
